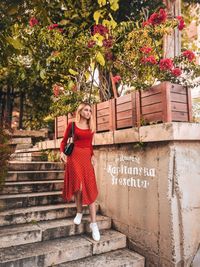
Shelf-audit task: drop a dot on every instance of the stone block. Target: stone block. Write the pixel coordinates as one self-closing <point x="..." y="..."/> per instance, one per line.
<point x="104" y="138"/>
<point x="126" y="135"/>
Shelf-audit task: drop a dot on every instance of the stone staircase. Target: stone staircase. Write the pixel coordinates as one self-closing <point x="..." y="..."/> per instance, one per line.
<point x="37" y="229"/>
<point x="25" y="143"/>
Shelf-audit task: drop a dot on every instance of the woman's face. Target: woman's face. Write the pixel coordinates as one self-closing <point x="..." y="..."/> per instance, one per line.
<point x="86" y="112"/>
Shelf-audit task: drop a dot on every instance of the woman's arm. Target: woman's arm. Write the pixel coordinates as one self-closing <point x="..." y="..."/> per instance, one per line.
<point x="65" y="137"/>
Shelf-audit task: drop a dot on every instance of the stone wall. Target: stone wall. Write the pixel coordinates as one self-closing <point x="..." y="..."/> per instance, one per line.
<point x="149" y="180"/>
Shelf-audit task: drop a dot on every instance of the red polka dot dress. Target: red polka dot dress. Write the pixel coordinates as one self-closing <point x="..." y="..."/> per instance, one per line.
<point x="79" y="171"/>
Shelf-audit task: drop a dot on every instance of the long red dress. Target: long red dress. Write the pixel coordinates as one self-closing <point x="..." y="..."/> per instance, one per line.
<point x="79" y="171"/>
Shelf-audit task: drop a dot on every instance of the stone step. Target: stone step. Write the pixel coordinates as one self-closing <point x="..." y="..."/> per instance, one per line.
<point x="57" y="251"/>
<point x="34" y="166"/>
<point x="34" y="175"/>
<point x="29" y="156"/>
<point x="31" y="233"/>
<point x="26" y="157"/>
<point x="21" y="140"/>
<point x="24" y="146"/>
<point x="31" y="186"/>
<point x="30" y="199"/>
<point x="40" y="213"/>
<point x="117" y="258"/>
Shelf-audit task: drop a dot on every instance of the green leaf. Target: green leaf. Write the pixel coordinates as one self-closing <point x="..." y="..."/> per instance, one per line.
<point x="43" y="74"/>
<point x="113" y="23"/>
<point x="99" y="39"/>
<point x="12" y="10"/>
<point x="70" y="84"/>
<point x="114" y="5"/>
<point x="100" y="59"/>
<point x="97" y="15"/>
<point x="102" y="3"/>
<point x="73" y="72"/>
<point x="15" y="43"/>
<point x="87" y="75"/>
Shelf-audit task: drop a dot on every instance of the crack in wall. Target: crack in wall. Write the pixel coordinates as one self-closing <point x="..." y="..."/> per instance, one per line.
<point x="176" y="193"/>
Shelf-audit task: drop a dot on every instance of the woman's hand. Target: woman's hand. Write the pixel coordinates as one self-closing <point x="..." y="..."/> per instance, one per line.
<point x="63" y="157"/>
<point x="93" y="160"/>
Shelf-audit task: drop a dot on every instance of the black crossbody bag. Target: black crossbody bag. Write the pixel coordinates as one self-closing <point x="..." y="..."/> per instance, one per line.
<point x="70" y="145"/>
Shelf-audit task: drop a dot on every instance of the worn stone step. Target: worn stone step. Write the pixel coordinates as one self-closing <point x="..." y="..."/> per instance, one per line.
<point x="24" y="146"/>
<point x="21" y="140"/>
<point x="30" y="199"/>
<point x="21" y="157"/>
<point x="117" y="258"/>
<point x="31" y="186"/>
<point x="34" y="175"/>
<point x="35" y="166"/>
<point x="37" y="232"/>
<point x="62" y="250"/>
<point x="25" y="157"/>
<point x="40" y="213"/>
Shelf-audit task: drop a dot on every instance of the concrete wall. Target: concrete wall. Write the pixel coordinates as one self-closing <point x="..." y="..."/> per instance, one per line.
<point x="151" y="190"/>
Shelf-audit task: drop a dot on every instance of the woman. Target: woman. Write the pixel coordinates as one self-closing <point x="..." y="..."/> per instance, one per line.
<point x="79" y="177"/>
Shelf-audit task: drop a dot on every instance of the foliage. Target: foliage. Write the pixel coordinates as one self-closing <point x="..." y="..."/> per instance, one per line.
<point x="41" y="40"/>
<point x="59" y="53"/>
<point x="53" y="156"/>
<point x="50" y="155"/>
<point x="5" y="152"/>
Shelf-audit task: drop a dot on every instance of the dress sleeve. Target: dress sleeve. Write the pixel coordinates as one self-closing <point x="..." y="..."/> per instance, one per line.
<point x="65" y="137"/>
<point x="92" y="152"/>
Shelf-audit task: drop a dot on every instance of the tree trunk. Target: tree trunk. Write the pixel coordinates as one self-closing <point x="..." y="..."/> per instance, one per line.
<point x="105" y="85"/>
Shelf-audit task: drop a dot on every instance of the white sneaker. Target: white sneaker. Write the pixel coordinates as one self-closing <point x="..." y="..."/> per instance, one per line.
<point x="95" y="231"/>
<point x="77" y="219"/>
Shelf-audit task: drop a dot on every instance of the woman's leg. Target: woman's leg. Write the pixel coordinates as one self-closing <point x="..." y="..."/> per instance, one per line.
<point x="92" y="208"/>
<point x="78" y="200"/>
<point x="93" y="224"/>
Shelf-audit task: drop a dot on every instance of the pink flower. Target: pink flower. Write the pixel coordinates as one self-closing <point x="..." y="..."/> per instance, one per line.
<point x="158" y="18"/>
<point x="61" y="30"/>
<point x="108" y="42"/>
<point x="33" y="21"/>
<point x="145" y="49"/>
<point x="116" y="78"/>
<point x="150" y="59"/>
<point x="181" y="24"/>
<point x="166" y="64"/>
<point x="145" y="23"/>
<point x="109" y="56"/>
<point x="189" y="55"/>
<point x="52" y="26"/>
<point x="91" y="43"/>
<point x="102" y="30"/>
<point x="56" y="90"/>
<point x="176" y="72"/>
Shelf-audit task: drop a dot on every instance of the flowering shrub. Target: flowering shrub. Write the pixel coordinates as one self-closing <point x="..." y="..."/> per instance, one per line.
<point x="141" y="63"/>
<point x="129" y="53"/>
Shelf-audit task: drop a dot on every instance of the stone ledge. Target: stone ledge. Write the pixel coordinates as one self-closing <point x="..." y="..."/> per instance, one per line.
<point x="171" y="131"/>
<point x="32" y="133"/>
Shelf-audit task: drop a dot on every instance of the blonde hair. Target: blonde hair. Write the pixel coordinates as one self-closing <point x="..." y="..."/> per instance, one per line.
<point x="90" y="121"/>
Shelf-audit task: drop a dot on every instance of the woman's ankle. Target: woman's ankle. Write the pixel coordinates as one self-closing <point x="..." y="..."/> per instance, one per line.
<point x="79" y="211"/>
